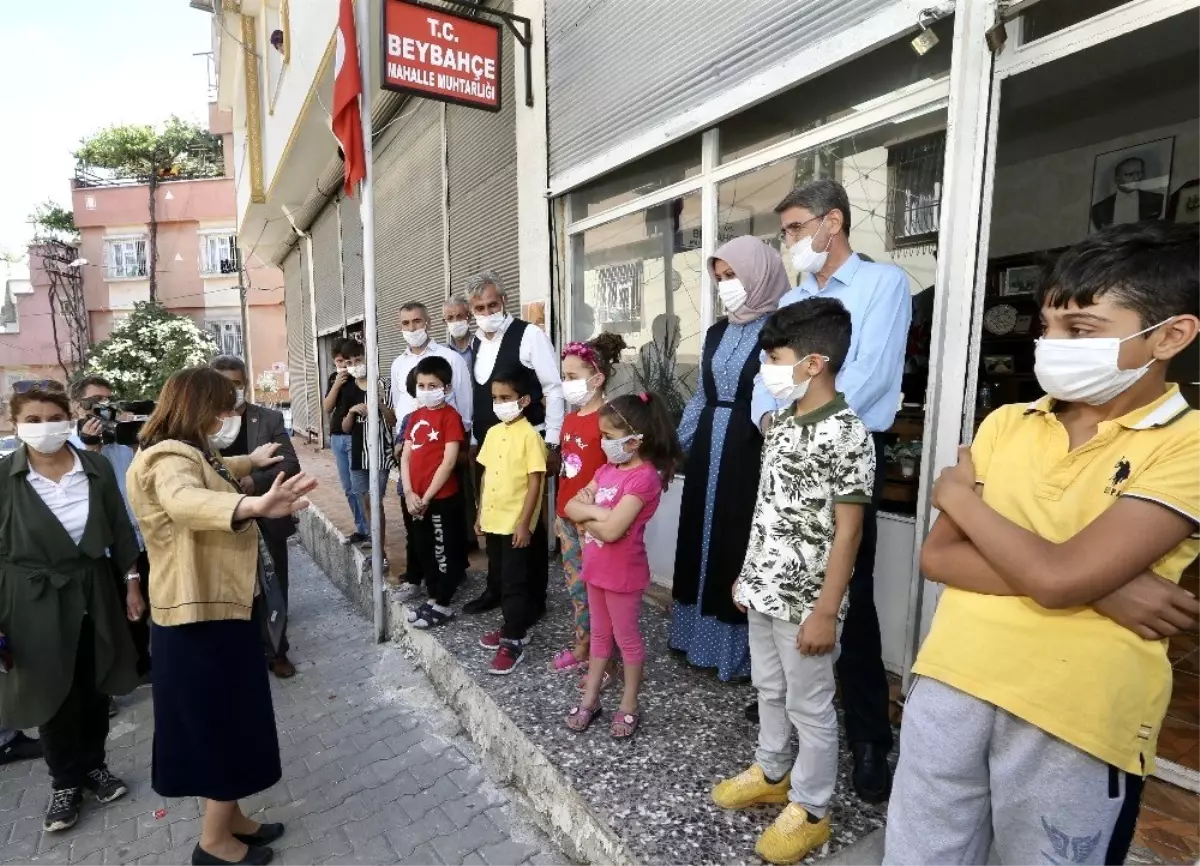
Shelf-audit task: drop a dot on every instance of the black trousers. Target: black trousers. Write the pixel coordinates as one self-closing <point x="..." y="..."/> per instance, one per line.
<point x="73" y="739"/>
<point x="140" y="630"/>
<point x="519" y="575"/>
<point x="413" y="571"/>
<point x="278" y="549"/>
<point x="467" y="485"/>
<point x="441" y="538"/>
<point x="860" y="667"/>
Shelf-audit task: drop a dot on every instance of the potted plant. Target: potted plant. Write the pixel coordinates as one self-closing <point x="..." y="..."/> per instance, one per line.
<point x="906" y="455"/>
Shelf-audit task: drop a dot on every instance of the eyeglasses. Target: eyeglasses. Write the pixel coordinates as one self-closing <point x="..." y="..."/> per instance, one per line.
<point x="24" y="386"/>
<point x="792" y="230"/>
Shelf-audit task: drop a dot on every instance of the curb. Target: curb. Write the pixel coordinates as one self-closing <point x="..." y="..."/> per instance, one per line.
<point x="508" y="752"/>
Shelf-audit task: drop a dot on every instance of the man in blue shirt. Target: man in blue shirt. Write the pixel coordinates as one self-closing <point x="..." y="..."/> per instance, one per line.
<point x="815" y="222"/>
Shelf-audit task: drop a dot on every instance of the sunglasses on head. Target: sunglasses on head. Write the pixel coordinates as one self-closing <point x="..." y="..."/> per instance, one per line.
<point x="26" y="385"/>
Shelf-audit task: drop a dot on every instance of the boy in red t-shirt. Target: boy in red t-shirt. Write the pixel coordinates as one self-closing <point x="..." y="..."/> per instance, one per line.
<point x="432" y="442"/>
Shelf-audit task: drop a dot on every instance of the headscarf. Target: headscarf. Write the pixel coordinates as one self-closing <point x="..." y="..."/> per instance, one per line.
<point x="760" y="269"/>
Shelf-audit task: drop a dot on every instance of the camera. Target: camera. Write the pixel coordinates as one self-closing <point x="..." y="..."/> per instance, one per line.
<point x="120" y="422"/>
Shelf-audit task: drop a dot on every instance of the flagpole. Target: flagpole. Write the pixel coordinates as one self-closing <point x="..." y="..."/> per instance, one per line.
<point x="362" y="28"/>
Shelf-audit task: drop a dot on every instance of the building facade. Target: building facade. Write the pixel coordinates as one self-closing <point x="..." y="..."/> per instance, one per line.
<point x="975" y="140"/>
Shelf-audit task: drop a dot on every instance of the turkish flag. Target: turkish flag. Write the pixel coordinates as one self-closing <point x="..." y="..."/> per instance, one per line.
<point x="347" y="88"/>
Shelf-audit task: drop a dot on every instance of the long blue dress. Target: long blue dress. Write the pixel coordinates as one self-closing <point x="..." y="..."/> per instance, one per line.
<point x="698" y="627"/>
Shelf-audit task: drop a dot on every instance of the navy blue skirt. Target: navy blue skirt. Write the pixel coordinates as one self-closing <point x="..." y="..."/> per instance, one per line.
<point x="214" y="724"/>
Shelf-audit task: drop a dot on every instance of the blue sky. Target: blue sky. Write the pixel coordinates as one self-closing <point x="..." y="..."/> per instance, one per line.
<point x="70" y="67"/>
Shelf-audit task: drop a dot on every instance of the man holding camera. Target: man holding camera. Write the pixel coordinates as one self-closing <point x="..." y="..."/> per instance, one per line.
<point x="99" y="416"/>
<point x="260" y="426"/>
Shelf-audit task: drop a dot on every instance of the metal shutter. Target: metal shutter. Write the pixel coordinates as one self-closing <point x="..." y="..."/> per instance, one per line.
<point x="293" y="290"/>
<point x="327" y="270"/>
<point x="408" y="222"/>
<point x="482" y="168"/>
<point x="312" y="386"/>
<point x="620" y="68"/>
<point x="352" y="263"/>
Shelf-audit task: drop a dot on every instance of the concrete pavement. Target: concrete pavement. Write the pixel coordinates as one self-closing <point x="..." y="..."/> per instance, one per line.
<point x="375" y="769"/>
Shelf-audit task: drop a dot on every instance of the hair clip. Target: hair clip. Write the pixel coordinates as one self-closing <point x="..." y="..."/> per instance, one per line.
<point x="644" y="397"/>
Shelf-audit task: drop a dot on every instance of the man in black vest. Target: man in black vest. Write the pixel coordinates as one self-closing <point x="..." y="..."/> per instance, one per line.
<point x="502" y="341"/>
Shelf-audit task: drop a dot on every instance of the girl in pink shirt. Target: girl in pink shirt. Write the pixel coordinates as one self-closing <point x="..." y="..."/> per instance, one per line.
<point x="612" y="513"/>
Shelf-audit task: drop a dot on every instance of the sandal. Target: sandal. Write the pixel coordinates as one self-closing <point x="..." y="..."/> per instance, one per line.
<point x="565" y="660"/>
<point x="624" y="725"/>
<point x="429" y="616"/>
<point x="581" y="718"/>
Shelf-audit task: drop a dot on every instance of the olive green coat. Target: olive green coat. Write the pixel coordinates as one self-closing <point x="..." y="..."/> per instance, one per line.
<point x="47" y="584"/>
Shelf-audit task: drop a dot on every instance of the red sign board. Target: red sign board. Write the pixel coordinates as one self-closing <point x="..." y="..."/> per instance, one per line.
<point x="433" y="53"/>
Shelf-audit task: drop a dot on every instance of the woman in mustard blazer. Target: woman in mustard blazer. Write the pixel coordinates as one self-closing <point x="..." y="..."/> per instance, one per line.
<point x="214" y="725"/>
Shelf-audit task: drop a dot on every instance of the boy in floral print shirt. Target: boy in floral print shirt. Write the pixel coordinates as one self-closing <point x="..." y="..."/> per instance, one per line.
<point x="818" y="471"/>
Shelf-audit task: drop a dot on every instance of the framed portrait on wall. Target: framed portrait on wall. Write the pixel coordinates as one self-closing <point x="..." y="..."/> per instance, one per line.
<point x="1184" y="206"/>
<point x="1131" y="184"/>
<point x="1020" y="280"/>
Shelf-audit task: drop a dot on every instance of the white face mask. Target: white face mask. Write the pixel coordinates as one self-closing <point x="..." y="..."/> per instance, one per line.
<point x="457" y="330"/>
<point x="46" y="438"/>
<point x="507" y="412"/>
<point x="614" y="449"/>
<point x="358" y="371"/>
<point x="807" y="260"/>
<point x="416" y="339"/>
<point x="223" y="438"/>
<point x="577" y="392"/>
<point x="779" y="380"/>
<point x="431" y="397"/>
<point x="490" y="324"/>
<point x="733" y="294"/>
<point x="241" y="398"/>
<point x="1086" y="369"/>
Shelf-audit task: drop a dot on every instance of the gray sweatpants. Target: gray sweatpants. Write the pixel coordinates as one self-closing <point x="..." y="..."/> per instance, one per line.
<point x="971" y="773"/>
<point x="794" y="690"/>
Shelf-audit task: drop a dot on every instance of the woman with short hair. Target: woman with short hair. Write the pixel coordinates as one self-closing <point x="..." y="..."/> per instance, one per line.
<point x="65" y="544"/>
<point x="214" y="724"/>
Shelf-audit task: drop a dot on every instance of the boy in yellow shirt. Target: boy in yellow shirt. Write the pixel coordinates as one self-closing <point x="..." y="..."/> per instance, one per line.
<point x="513" y="458"/>
<point x="1063" y="532"/>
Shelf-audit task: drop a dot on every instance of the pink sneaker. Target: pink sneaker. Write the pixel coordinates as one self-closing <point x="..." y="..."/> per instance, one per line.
<point x="507" y="658"/>
<point x="491" y="641"/>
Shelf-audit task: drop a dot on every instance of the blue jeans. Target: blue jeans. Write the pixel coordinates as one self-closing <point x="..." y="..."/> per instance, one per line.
<point x="341" y="444"/>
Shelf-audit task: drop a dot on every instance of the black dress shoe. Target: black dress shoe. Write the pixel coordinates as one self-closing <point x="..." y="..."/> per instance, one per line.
<point x="20" y="748"/>
<point x="752" y="712"/>
<point x="267" y="833"/>
<point x="482" y="604"/>
<point x="255" y="856"/>
<point x="872" y="776"/>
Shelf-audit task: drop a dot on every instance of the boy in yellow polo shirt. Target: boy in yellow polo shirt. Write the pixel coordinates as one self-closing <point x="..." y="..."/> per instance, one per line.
<point x="513" y="457"/>
<point x="1063" y="532"/>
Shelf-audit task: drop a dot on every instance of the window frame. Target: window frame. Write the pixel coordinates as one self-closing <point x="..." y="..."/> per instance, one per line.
<point x="210" y="267"/>
<point x="140" y="250"/>
<point x="216" y="329"/>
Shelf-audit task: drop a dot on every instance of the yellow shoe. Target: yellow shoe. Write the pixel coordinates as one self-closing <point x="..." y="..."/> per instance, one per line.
<point x="792" y="837"/>
<point x="750" y="788"/>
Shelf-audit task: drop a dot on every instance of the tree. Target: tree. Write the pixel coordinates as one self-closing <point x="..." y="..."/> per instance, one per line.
<point x="151" y="156"/>
<point x="145" y="349"/>
<point x="57" y="243"/>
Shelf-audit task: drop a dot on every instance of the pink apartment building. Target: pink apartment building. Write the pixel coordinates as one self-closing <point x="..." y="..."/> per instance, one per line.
<point x="199" y="274"/>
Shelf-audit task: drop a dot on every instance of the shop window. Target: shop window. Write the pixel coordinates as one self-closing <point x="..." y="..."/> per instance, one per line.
<point x="1050" y="16"/>
<point x="662" y="168"/>
<point x="859" y="84"/>
<point x="869" y="165"/>
<point x="915" y="191"/>
<point x="640" y="276"/>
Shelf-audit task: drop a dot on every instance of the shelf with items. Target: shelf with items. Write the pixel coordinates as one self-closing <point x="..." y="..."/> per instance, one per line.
<point x="902" y="461"/>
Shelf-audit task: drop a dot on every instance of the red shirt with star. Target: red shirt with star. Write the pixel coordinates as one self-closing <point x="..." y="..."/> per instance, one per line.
<point x="428" y="433"/>
<point x="581" y="453"/>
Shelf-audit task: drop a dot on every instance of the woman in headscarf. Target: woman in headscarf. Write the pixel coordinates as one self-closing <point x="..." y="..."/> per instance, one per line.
<point x="723" y="451"/>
